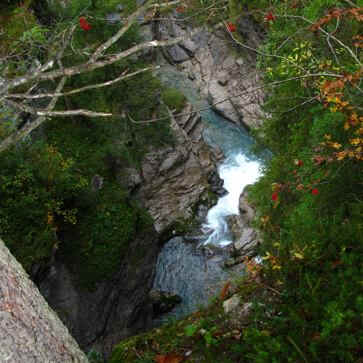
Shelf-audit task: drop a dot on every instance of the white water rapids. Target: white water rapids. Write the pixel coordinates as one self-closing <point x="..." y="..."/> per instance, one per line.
<point x="237" y="171"/>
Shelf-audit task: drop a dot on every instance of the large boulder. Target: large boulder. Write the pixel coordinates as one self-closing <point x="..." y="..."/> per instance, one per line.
<point x="29" y="330"/>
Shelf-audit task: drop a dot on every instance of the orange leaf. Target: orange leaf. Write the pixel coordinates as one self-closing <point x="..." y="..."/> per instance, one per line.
<point x="170" y="358"/>
<point x="224" y="291"/>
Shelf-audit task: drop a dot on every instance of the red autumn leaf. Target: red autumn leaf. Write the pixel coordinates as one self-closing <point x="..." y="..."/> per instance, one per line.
<point x="231" y="27"/>
<point x="318" y="159"/>
<point x="270" y="17"/>
<point x="315" y="191"/>
<point x="275" y="196"/>
<point x="170" y="358"/>
<point x="83" y="23"/>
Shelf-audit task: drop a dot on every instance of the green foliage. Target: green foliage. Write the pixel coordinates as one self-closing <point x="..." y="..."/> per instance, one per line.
<point x="15" y="21"/>
<point x="313" y="229"/>
<point x="104" y="234"/>
<point x="309" y="206"/>
<point x="174" y="99"/>
<point x="37" y="183"/>
<point x="48" y="202"/>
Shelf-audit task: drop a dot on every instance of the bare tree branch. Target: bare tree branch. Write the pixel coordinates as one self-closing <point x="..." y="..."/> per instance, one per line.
<point x="82" y="89"/>
<point x="88" y="67"/>
<point x="29" y="127"/>
<point x="129" y="21"/>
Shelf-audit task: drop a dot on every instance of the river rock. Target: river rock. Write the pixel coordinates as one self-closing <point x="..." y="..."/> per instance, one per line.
<point x="216" y="184"/>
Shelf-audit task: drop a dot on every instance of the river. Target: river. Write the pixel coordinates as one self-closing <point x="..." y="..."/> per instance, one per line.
<point x="194" y="270"/>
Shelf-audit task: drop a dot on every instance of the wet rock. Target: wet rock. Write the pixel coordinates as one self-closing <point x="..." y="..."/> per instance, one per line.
<point x="216" y="184"/>
<point x="191" y="76"/>
<point x="163" y="301"/>
<point x="245" y="238"/>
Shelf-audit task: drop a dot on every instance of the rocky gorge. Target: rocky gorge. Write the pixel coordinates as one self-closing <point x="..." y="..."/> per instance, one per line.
<point x="176" y="185"/>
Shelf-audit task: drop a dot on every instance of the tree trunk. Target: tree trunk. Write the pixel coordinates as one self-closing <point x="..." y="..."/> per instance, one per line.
<point x="29" y="330"/>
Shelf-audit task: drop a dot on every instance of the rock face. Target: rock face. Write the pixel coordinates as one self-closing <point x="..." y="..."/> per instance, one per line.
<point x="175" y="178"/>
<point x="245" y="237"/>
<point x="117" y="308"/>
<point x="230" y="83"/>
<point x="29" y="330"/>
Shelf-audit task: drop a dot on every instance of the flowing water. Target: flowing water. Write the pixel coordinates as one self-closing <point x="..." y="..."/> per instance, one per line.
<point x="184" y="268"/>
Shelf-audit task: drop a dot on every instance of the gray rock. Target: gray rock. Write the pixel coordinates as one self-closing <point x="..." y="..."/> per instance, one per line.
<point x="191" y="76"/>
<point x="189" y="46"/>
<point x="231" y="304"/>
<point x="130" y="178"/>
<point x="177" y="54"/>
<point x="246" y="210"/>
<point x="246" y="240"/>
<point x="223" y="79"/>
<point x="246" y="309"/>
<point x="171" y="161"/>
<point x="240" y="62"/>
